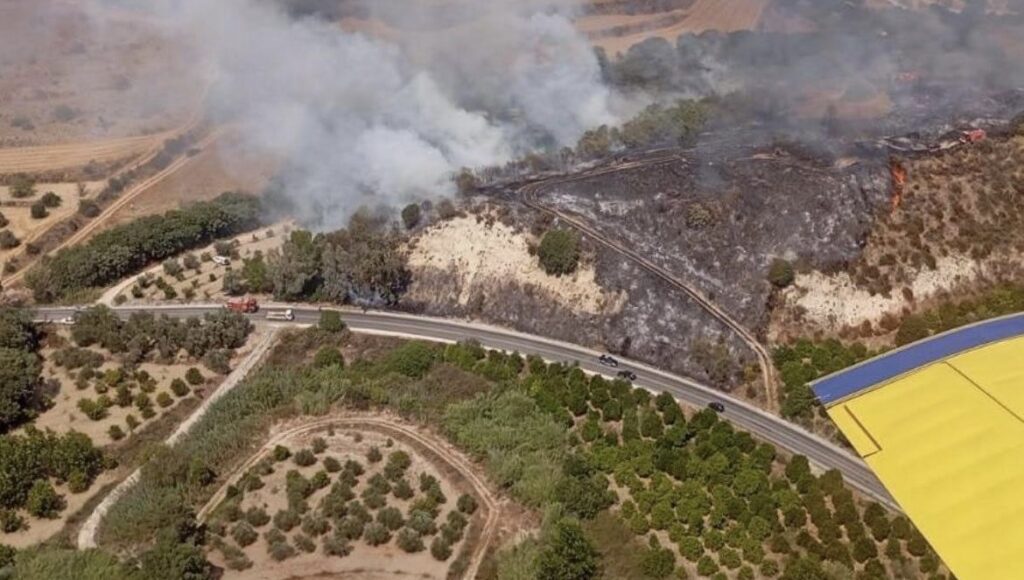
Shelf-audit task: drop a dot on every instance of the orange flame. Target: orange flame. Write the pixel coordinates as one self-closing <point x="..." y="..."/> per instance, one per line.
<point x="899" y="180"/>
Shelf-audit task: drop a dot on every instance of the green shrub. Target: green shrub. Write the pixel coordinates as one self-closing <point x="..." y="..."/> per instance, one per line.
<point x="330" y="321"/>
<point x="559" y="252"/>
<point x="243" y="534"/>
<point x="194" y="377"/>
<point x="440" y="549"/>
<point x="304" y="458"/>
<point x="780" y="273"/>
<point x="336" y="546"/>
<point x="43" y="501"/>
<point x="331" y="464"/>
<point x="120" y="251"/>
<point x="466" y="504"/>
<point x="374" y="455"/>
<point x="304" y="543"/>
<point x="10" y="521"/>
<point x="179" y="388"/>
<point x="163" y="399"/>
<point x="281" y="453"/>
<point x="411" y="215"/>
<point x="115" y="432"/>
<point x="376" y="534"/>
<point x="286" y="519"/>
<point x="257" y="517"/>
<point x="409" y="540"/>
<point x="391" y="518"/>
<point x="280" y="551"/>
<point x="38" y="210"/>
<point x="327" y="357"/>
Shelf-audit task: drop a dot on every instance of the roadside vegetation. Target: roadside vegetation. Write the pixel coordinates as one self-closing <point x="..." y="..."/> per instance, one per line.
<point x="594" y="456"/>
<point x="127" y="249"/>
<point x="805" y="361"/>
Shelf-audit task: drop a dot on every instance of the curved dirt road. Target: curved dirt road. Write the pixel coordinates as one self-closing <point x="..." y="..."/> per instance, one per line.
<point x="435" y="446"/>
<point x="530" y="195"/>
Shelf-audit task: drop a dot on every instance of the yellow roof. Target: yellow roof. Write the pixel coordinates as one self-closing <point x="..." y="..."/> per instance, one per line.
<point x="948" y="442"/>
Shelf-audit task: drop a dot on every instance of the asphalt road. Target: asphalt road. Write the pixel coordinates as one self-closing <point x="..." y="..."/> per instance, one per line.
<point x="742" y="415"/>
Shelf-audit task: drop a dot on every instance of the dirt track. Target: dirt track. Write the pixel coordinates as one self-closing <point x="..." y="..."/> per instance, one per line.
<point x="426" y="443"/>
<point x="94" y="225"/>
<point x="530" y="195"/>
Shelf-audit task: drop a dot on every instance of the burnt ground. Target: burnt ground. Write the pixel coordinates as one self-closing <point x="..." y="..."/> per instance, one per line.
<point x="717" y="215"/>
<point x="657" y="323"/>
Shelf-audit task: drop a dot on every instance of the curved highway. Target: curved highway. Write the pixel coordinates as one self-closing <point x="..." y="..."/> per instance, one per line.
<point x="743" y="415"/>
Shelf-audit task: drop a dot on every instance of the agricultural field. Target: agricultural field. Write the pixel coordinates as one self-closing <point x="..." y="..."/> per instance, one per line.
<point x="91" y="390"/>
<point x="198" y="275"/>
<point x="615" y="26"/>
<point x="28" y="209"/>
<point x="370" y="492"/>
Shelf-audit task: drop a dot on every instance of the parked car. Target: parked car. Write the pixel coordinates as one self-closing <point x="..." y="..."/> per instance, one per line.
<point x="716" y="407"/>
<point x="628" y="375"/>
<point x="608" y="360"/>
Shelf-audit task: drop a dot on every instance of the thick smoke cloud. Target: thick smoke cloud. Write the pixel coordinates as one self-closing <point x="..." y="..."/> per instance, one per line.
<point x="360" y="121"/>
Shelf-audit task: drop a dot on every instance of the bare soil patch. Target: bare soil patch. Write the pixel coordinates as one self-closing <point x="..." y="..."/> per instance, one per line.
<point x="18" y="212"/>
<point x="477" y="251"/>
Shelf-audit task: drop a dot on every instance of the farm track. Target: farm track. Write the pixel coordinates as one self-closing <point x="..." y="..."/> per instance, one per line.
<point x="530" y="195"/>
<point x="437" y="447"/>
<point x="124" y="199"/>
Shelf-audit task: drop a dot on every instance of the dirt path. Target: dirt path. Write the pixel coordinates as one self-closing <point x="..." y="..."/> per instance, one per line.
<point x="95" y="224"/>
<point x="530" y="195"/>
<point x="87" y="533"/>
<point x="396" y="428"/>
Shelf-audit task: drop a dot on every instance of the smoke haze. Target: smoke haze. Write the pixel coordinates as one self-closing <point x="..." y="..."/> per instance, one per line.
<point x="360" y="121"/>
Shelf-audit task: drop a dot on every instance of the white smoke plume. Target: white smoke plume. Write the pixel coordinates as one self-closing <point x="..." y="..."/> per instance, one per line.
<point x="362" y="121"/>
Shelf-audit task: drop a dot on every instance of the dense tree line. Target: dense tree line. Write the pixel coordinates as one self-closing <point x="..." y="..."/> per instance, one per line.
<point x="361" y="263"/>
<point x="19" y="368"/>
<point x="676" y="124"/>
<point x="126" y="249"/>
<point x="805" y="361"/>
<point x="205" y="338"/>
<point x="30" y="460"/>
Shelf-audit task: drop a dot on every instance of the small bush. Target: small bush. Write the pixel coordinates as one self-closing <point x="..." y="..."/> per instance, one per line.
<point x="409" y="541"/>
<point x="376" y="534"/>
<point x="319" y="445"/>
<point x="466" y="504"/>
<point x="411" y="215"/>
<point x="38" y="210"/>
<point x="314" y="525"/>
<point x="331" y="465"/>
<point x="44" y="501"/>
<point x="780" y="273"/>
<point x="257" y="517"/>
<point x="391" y="518"/>
<point x="327" y="357"/>
<point x="243" y="534"/>
<point x="115" y="432"/>
<point x="304" y="543"/>
<point x="440" y="549"/>
<point x="335" y="546"/>
<point x="280" y="551"/>
<point x="285" y="520"/>
<point x="10" y="521"/>
<point x="179" y="388"/>
<point x="374" y="455"/>
<point x="50" y="199"/>
<point x="281" y="453"/>
<point x="559" y="252"/>
<point x="304" y="458"/>
<point x="8" y="240"/>
<point x="402" y="489"/>
<point x="164" y="400"/>
<point x="194" y="377"/>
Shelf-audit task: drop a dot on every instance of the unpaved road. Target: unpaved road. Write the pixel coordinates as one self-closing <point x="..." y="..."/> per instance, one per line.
<point x="87" y="533"/>
<point x="530" y="195"/>
<point x="401" y="431"/>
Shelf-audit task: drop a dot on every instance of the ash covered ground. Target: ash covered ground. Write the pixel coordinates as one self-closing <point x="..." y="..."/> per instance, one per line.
<point x="717" y="214"/>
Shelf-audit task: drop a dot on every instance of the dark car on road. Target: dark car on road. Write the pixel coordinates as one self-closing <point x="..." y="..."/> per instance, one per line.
<point x="628" y="375"/>
<point x="608" y="360"/>
<point x="716" y="407"/>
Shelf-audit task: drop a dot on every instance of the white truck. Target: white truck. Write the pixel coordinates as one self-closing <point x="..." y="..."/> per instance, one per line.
<point x="285" y="314"/>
